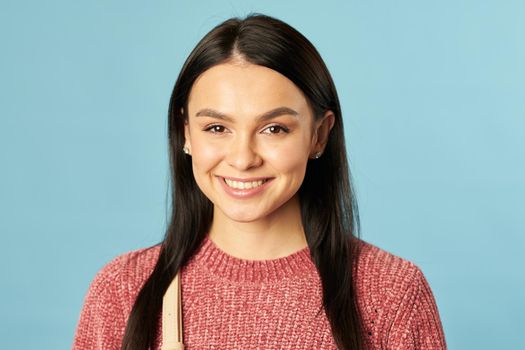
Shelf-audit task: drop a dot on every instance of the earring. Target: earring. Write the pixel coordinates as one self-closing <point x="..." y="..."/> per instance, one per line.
<point x="186" y="150"/>
<point x="317" y="155"/>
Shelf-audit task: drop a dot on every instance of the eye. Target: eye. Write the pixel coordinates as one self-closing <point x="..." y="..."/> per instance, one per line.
<point x="276" y="129"/>
<point x="215" y="129"/>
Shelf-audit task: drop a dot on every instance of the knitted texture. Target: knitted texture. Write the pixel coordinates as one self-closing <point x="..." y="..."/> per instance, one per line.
<point x="232" y="303"/>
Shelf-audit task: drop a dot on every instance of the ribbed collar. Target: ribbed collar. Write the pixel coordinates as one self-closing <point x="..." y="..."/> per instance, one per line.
<point x="237" y="270"/>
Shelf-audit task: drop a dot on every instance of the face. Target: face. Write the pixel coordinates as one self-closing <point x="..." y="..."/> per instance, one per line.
<point x="250" y="133"/>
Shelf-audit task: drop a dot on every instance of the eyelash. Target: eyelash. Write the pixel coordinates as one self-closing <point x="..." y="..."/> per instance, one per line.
<point x="283" y="128"/>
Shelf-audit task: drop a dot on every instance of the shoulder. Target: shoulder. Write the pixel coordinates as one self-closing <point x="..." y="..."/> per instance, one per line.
<point x="383" y="277"/>
<point x="110" y="297"/>
<point x="381" y="267"/>
<point x="119" y="281"/>
<point x="396" y="301"/>
<point x="127" y="272"/>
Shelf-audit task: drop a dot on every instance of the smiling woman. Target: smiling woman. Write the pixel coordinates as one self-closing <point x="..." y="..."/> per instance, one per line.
<point x="264" y="231"/>
<point x="249" y="157"/>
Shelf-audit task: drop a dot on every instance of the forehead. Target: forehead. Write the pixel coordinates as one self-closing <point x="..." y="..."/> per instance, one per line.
<point x="245" y="88"/>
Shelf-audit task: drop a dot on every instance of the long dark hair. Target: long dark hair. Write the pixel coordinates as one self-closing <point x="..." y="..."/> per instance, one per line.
<point x="329" y="210"/>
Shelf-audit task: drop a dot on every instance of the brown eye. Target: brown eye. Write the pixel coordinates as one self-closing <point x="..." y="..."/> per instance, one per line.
<point x="215" y="129"/>
<point x="277" y="129"/>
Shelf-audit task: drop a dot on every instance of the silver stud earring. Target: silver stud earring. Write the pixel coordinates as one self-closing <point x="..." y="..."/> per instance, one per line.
<point x="185" y="150"/>
<point x="317" y="155"/>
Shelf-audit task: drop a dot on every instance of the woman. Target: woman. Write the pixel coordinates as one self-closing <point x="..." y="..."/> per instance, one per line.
<point x="264" y="227"/>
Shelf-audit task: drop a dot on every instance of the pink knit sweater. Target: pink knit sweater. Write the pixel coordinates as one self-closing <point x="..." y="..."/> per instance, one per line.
<point x="231" y="303"/>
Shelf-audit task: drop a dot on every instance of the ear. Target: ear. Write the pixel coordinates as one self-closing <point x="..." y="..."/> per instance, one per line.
<point x="321" y="133"/>
<point x="187" y="139"/>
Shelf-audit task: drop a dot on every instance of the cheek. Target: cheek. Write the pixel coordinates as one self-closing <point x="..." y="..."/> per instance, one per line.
<point x="289" y="157"/>
<point x="205" y="155"/>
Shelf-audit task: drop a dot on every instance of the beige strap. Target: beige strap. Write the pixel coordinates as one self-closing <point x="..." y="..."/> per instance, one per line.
<point x="172" y="316"/>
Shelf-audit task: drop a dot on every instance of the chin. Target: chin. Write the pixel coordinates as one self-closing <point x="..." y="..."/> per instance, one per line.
<point x="243" y="217"/>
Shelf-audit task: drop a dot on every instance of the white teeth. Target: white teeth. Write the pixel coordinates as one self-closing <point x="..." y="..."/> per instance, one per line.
<point x="244" y="185"/>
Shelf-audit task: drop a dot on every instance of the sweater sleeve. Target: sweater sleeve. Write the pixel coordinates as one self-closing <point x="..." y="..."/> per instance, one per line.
<point x="102" y="321"/>
<point x="417" y="324"/>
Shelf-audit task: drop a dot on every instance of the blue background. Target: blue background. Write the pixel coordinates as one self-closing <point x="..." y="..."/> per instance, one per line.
<point x="433" y="100"/>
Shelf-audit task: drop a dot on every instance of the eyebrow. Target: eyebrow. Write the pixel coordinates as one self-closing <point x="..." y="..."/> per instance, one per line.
<point x="208" y="112"/>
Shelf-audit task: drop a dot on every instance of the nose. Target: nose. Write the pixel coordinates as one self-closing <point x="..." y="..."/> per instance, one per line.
<point x="242" y="153"/>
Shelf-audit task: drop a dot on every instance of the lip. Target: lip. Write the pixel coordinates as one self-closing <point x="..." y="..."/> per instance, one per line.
<point x="248" y="179"/>
<point x="244" y="193"/>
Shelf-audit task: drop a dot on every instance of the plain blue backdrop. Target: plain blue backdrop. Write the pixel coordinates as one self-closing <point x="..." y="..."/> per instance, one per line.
<point x="433" y="101"/>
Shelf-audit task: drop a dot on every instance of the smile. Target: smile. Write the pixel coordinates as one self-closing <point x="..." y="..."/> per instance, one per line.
<point x="241" y="185"/>
<point x="244" y="188"/>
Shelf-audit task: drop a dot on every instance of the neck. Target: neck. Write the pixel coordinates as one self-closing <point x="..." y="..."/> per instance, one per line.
<point x="274" y="236"/>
